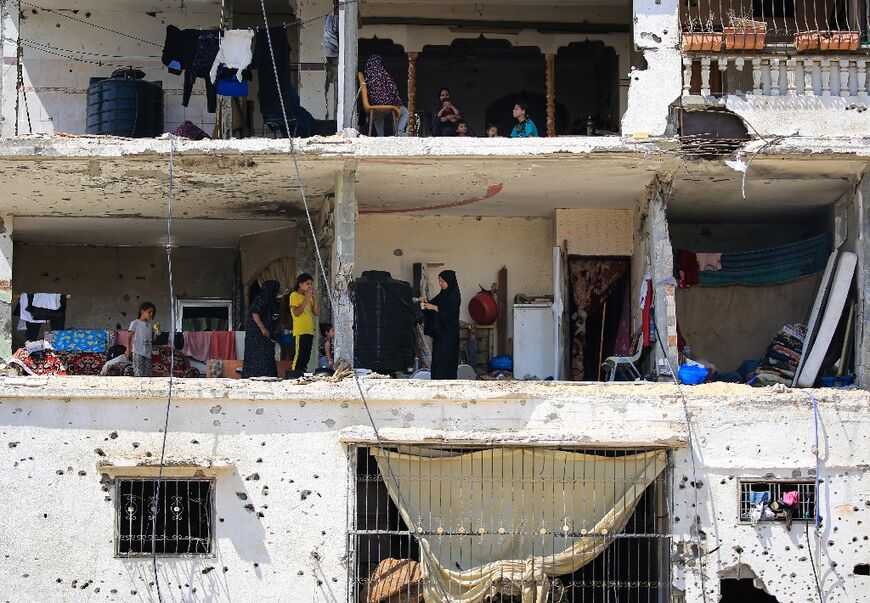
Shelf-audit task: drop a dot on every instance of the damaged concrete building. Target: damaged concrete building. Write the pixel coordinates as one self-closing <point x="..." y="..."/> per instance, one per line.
<point x="698" y="200"/>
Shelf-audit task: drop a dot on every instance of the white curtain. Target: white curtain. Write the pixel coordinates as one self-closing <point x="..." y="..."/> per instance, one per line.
<point x="509" y="519"/>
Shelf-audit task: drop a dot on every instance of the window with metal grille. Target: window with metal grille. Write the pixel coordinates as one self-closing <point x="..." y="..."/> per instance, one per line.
<point x="776" y="489"/>
<point x="184" y="517"/>
<point x="634" y="565"/>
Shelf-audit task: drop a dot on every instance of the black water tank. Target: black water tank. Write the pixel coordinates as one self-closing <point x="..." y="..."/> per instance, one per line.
<point x="383" y="323"/>
<point x="125" y="105"/>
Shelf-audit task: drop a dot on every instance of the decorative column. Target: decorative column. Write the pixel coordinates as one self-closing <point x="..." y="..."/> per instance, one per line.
<point x="412" y="93"/>
<point x="809" y="88"/>
<point x="551" y="94"/>
<point x="687" y="76"/>
<point x="775" y="76"/>
<point x="705" y="77"/>
<point x="348" y="55"/>
<point x="844" y="78"/>
<point x="5" y="286"/>
<point x="343" y="261"/>
<point x="826" y="77"/>
<point x="756" y="77"/>
<point x="862" y="80"/>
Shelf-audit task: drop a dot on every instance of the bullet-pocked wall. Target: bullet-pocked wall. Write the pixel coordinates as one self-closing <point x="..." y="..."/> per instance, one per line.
<point x="278" y="454"/>
<point x="107" y="284"/>
<point x="476" y="248"/>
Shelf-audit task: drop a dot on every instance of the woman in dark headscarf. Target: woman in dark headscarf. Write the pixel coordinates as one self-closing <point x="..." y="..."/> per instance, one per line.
<point x="382" y="90"/>
<point x="445" y="115"/>
<point x="259" y="347"/>
<point x="442" y="324"/>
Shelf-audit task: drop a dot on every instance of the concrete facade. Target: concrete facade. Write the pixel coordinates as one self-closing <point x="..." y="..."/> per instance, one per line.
<point x="86" y="216"/>
<point x="282" y="448"/>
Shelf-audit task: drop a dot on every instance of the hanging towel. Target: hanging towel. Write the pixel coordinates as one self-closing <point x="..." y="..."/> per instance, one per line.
<point x="222" y="346"/>
<point x="49" y="301"/>
<point x="234" y="52"/>
<point x="197" y="345"/>
<point x="23" y="313"/>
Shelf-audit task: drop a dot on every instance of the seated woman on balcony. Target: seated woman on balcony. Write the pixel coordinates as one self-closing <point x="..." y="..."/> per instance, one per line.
<point x="445" y="115"/>
<point x="383" y="91"/>
<point x="525" y="127"/>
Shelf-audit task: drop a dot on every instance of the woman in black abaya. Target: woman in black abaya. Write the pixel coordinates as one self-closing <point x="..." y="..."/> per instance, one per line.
<point x="442" y="324"/>
<point x="259" y="347"/>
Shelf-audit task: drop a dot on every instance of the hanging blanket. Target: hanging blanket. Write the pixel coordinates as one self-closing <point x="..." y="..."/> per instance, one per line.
<point x="772" y="265"/>
<point x="81" y="340"/>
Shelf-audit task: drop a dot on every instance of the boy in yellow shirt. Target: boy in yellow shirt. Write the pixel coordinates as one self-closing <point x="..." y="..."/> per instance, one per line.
<point x="303" y="307"/>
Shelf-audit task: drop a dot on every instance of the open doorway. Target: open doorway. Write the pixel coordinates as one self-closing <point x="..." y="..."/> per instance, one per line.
<point x="599" y="313"/>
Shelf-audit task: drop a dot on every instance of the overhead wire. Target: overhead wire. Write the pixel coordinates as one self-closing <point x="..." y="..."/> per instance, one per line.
<point x="329" y="289"/>
<point x="104" y="28"/>
<point x="156" y="507"/>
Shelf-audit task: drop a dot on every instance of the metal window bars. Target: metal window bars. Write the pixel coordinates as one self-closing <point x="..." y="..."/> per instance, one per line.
<point x="384" y="554"/>
<point x="806" y="496"/>
<point x="184" y="517"/>
<point x="782" y="20"/>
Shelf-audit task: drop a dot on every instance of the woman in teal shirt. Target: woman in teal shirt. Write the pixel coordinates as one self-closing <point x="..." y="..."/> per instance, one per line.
<point x="525" y="127"/>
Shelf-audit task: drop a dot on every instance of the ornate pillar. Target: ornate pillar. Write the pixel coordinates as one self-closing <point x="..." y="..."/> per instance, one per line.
<point x="551" y="94"/>
<point x="412" y="93"/>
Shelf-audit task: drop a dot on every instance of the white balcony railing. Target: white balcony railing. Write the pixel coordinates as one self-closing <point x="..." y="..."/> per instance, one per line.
<point x="775" y="76"/>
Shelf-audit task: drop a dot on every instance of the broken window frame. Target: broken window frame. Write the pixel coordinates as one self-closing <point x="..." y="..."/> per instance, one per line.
<point x="144" y="531"/>
<point x="806" y="487"/>
<point x="202" y="302"/>
<point x="660" y="512"/>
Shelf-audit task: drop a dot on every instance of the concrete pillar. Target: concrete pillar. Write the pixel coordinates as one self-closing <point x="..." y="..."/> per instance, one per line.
<point x="9" y="20"/>
<point x="314" y="89"/>
<point x="5" y="286"/>
<point x="862" y="314"/>
<point x="348" y="19"/>
<point x="661" y="259"/>
<point x="343" y="262"/>
<point x="550" y="59"/>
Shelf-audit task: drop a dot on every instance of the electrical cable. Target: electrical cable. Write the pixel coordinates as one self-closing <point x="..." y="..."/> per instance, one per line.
<point x="114" y="31"/>
<point x="329" y="290"/>
<point x="33" y="46"/>
<point x="156" y="506"/>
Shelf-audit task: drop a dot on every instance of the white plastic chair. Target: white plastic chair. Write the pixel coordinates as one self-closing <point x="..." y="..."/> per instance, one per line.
<point x="612" y="363"/>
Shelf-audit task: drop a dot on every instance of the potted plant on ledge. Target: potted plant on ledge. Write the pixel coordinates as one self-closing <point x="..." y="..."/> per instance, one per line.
<point x="836" y="41"/>
<point x="744" y="33"/>
<point x="702" y="37"/>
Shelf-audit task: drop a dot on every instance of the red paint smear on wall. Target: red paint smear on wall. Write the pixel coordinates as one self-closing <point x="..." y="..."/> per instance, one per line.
<point x="491" y="191"/>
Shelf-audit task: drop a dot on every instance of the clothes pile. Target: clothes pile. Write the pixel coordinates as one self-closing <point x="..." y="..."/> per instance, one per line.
<point x="782" y="357"/>
<point x="764" y="508"/>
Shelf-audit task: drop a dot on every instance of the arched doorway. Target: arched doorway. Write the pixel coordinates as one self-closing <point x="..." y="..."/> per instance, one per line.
<point x="587" y="83"/>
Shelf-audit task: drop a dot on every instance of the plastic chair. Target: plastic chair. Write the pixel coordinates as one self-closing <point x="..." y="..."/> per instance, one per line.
<point x="372" y="110"/>
<point x="612" y="363"/>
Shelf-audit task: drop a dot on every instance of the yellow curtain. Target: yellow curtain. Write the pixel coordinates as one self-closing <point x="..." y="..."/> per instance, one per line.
<point x="512" y="517"/>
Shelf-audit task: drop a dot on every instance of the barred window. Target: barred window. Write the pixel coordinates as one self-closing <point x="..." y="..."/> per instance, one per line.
<point x="754" y="491"/>
<point x="584" y="525"/>
<point x="184" y="517"/>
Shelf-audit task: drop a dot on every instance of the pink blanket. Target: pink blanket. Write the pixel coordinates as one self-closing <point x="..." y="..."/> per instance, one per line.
<point x="197" y="345"/>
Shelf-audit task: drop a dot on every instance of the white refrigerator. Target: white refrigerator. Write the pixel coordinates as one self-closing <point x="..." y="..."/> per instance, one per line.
<point x="535" y="328"/>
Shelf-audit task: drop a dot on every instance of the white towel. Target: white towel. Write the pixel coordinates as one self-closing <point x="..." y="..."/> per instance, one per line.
<point x="48" y="301"/>
<point x="234" y="52"/>
<point x="23" y="314"/>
